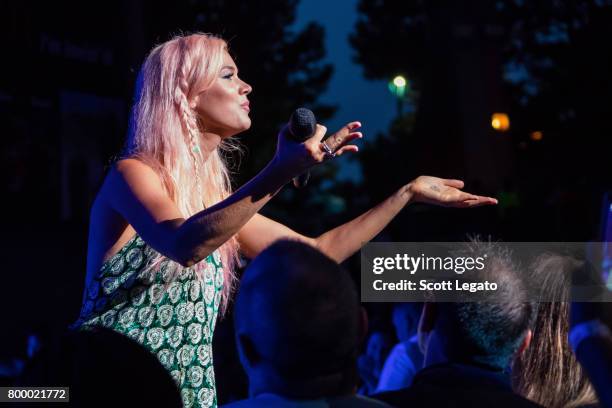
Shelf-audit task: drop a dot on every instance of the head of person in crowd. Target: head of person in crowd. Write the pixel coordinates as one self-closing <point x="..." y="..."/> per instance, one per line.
<point x="377" y="348"/>
<point x="298" y="324"/>
<point x="102" y="368"/>
<point x="406" y="316"/>
<point x="548" y="372"/>
<point x="371" y="362"/>
<point x="487" y="332"/>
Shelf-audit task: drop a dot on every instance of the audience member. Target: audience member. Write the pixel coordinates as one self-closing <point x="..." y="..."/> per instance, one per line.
<point x="547" y="372"/>
<point x="102" y="368"/>
<point x="469" y="345"/>
<point x="590" y="337"/>
<point x="298" y="329"/>
<point x="370" y="363"/>
<point x="406" y="357"/>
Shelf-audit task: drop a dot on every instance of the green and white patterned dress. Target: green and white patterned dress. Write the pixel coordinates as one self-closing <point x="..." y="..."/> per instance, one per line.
<point x="176" y="324"/>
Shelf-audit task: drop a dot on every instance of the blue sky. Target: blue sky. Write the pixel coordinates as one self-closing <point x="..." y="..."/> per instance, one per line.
<point x="370" y="102"/>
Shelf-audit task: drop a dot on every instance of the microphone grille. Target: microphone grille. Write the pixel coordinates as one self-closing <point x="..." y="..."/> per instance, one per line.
<point x="302" y="124"/>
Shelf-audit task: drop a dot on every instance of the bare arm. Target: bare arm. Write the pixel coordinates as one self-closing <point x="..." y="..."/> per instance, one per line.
<point x="261" y="232"/>
<point x="343" y="241"/>
<point x="140" y="198"/>
<point x="138" y="195"/>
<point x="346" y="239"/>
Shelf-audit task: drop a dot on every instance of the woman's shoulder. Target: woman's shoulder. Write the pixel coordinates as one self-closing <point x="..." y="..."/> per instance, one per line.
<point x="129" y="178"/>
<point x="133" y="171"/>
<point x="128" y="165"/>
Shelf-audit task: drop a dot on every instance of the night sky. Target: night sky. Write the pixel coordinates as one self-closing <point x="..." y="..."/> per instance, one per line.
<point x="357" y="98"/>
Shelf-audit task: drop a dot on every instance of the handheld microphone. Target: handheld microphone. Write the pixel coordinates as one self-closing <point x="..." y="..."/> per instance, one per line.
<point x="302" y="125"/>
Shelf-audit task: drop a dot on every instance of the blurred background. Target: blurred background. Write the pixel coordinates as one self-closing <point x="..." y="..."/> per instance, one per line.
<point x="512" y="96"/>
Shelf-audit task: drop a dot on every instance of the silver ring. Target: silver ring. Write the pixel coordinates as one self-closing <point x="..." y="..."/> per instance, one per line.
<point x="329" y="154"/>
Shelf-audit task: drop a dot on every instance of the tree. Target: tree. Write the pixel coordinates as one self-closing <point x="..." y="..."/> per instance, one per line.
<point x="420" y="40"/>
<point x="547" y="64"/>
<point x="557" y="71"/>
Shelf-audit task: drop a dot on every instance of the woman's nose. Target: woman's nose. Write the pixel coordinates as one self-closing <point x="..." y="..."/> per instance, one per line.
<point x="245" y="88"/>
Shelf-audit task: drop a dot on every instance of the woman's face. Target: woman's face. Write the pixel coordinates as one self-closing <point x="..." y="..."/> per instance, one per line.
<point x="224" y="107"/>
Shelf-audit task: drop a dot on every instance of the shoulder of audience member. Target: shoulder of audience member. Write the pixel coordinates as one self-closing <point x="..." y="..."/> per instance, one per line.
<point x="355" y="401"/>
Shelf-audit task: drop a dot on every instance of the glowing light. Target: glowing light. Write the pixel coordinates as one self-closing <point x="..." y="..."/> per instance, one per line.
<point x="500" y="122"/>
<point x="398" y="86"/>
<point x="536" y="136"/>
<point x="399" y="81"/>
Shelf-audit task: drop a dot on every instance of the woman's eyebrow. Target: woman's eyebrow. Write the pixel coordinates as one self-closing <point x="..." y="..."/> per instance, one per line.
<point x="229" y="67"/>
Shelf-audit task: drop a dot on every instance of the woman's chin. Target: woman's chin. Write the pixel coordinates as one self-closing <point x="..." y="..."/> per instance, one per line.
<point x="245" y="126"/>
<point x="242" y="128"/>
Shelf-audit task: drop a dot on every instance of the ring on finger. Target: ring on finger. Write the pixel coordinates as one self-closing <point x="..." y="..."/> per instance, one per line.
<point x="329" y="153"/>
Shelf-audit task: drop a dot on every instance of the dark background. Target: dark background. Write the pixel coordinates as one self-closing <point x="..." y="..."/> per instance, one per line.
<point x="67" y="76"/>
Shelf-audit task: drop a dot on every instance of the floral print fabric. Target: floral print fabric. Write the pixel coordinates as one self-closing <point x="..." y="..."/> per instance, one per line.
<point x="173" y="318"/>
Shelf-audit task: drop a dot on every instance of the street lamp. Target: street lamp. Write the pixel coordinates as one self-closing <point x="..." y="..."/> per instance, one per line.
<point x="398" y="86"/>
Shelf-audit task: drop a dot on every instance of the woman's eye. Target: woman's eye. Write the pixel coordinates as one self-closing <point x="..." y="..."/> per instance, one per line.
<point x="228" y="76"/>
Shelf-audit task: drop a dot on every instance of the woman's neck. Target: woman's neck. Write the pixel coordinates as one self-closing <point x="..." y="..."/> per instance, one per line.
<point x="209" y="142"/>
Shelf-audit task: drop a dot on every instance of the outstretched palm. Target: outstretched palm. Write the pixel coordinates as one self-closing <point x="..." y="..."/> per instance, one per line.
<point x="445" y="192"/>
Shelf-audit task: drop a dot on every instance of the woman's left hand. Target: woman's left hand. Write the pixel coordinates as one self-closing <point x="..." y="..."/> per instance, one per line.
<point x="444" y="192"/>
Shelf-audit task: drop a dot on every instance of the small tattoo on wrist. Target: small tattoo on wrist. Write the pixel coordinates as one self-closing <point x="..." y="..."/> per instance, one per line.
<point x="434" y="188"/>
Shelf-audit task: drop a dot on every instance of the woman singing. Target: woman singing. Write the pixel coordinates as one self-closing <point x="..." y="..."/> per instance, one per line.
<point x="166" y="229"/>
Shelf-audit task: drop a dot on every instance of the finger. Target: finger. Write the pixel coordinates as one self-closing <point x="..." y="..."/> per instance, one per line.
<point x="337" y="140"/>
<point x="486" y="200"/>
<point x="480" y="201"/>
<point x="343" y="136"/>
<point x="468" y="198"/>
<point x="349" y="138"/>
<point x="458" y="196"/>
<point x="454" y="183"/>
<point x="353" y="125"/>
<point x="319" y="133"/>
<point x="347" y="148"/>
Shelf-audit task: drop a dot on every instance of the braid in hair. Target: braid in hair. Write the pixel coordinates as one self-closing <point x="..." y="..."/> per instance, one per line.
<point x="190" y="123"/>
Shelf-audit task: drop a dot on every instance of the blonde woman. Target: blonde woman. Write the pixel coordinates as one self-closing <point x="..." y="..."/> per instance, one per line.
<point x="166" y="228"/>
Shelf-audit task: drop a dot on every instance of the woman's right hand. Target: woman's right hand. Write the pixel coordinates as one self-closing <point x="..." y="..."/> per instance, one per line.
<point x="294" y="158"/>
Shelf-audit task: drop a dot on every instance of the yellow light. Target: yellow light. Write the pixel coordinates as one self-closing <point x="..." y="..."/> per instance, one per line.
<point x="537" y="136"/>
<point x="399" y="81"/>
<point x="500" y="122"/>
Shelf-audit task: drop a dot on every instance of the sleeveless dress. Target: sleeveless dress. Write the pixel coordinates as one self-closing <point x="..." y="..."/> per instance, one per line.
<point x="176" y="324"/>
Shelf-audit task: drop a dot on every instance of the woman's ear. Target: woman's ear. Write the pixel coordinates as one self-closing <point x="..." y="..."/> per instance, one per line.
<point x="247" y="352"/>
<point x="525" y="343"/>
<point x="194" y="102"/>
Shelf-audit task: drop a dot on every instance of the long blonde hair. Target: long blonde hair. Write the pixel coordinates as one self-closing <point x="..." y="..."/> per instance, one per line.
<point x="165" y="132"/>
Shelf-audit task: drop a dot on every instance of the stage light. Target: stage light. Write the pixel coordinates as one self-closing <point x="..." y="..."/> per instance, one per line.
<point x="500" y="122"/>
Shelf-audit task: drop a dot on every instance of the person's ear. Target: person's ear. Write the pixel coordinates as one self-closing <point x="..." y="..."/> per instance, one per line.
<point x="427" y="322"/>
<point x="247" y="351"/>
<point x="194" y="102"/>
<point x="363" y="324"/>
<point x="525" y="343"/>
